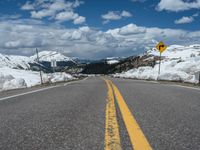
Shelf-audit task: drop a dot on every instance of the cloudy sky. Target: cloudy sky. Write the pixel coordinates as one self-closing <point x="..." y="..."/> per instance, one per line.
<point x="96" y="28"/>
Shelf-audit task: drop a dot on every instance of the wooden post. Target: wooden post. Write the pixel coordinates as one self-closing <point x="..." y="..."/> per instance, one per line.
<point x="39" y="66"/>
<point x="199" y="77"/>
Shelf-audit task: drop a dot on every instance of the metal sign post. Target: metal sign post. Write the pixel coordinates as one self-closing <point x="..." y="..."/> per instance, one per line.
<point x="197" y="77"/>
<point x="161" y="47"/>
<point x="53" y="64"/>
<point x="159" y="64"/>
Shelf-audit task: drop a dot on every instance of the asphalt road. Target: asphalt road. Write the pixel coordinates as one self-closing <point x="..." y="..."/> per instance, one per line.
<point x="73" y="116"/>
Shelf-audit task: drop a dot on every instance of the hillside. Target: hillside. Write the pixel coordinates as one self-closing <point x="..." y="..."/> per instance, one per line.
<point x="14" y="61"/>
<point x="179" y="63"/>
<point x="22" y="71"/>
<point x="111" y="66"/>
<point x="48" y="56"/>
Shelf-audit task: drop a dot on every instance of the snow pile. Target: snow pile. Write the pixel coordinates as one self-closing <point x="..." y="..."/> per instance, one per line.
<point x="51" y="55"/>
<point x="180" y="63"/>
<point x="57" y="77"/>
<point x="4" y="78"/>
<point x="14" y="84"/>
<point x="16" y="78"/>
<point x="31" y="77"/>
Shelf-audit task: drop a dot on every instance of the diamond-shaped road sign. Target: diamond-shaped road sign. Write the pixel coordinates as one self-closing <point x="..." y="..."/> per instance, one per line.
<point x="161" y="47"/>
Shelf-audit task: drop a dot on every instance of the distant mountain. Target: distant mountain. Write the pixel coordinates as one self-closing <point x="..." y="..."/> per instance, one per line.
<point x="30" y="63"/>
<point x="117" y="65"/>
<point x="48" y="56"/>
<point x="82" y="61"/>
<point x="63" y="62"/>
<point x="14" y="61"/>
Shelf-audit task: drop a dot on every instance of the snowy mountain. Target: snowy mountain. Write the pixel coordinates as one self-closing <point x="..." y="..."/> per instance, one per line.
<point x="45" y="58"/>
<point x="30" y="63"/>
<point x="179" y="63"/>
<point x="113" y="60"/>
<point x="14" y="61"/>
<point x="51" y="55"/>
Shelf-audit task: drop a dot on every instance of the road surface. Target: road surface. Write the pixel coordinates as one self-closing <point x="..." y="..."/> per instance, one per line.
<point x="101" y="113"/>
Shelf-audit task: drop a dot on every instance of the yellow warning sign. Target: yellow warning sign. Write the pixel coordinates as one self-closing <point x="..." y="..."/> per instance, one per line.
<point x="161" y="47"/>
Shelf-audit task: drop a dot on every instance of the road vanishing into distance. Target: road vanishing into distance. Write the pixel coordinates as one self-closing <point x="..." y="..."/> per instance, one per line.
<point x="101" y="113"/>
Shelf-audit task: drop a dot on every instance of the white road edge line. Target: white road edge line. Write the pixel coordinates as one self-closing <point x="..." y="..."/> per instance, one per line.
<point x="147" y="81"/>
<point x="75" y="81"/>
<point x="30" y="92"/>
<point x="156" y="82"/>
<point x="187" y="87"/>
<point x="39" y="90"/>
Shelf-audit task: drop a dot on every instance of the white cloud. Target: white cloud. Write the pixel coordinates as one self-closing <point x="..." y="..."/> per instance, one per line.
<point x="178" y="5"/>
<point x="112" y="15"/>
<point x="42" y="13"/>
<point x="15" y="16"/>
<point x="12" y="44"/>
<point x="66" y="16"/>
<point x="22" y="37"/>
<point x="131" y="29"/>
<point x="115" y="15"/>
<point x="27" y="6"/>
<point x="79" y="20"/>
<point x="126" y="14"/>
<point x="55" y="9"/>
<point x="184" y="20"/>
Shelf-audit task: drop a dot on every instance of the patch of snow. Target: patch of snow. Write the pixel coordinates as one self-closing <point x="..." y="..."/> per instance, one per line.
<point x="57" y="77"/>
<point x="14" y="84"/>
<point x="4" y="78"/>
<point x="110" y="62"/>
<point x="12" y="78"/>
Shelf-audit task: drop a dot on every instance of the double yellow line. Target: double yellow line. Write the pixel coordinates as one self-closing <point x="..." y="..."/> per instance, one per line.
<point x="112" y="135"/>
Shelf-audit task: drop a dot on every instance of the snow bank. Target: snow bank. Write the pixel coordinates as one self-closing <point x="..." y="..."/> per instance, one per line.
<point x="14" y="84"/>
<point x="16" y="78"/>
<point x="57" y="77"/>
<point x="180" y="63"/>
<point x="4" y="78"/>
<point x="31" y="78"/>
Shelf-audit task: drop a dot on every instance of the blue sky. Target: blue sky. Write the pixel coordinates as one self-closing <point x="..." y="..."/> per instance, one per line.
<point x="96" y="29"/>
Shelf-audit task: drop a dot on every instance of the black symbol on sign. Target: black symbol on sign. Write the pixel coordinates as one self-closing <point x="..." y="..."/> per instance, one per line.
<point x="161" y="46"/>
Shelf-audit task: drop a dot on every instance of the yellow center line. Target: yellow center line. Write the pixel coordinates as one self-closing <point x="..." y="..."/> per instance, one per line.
<point x="112" y="137"/>
<point x="137" y="137"/>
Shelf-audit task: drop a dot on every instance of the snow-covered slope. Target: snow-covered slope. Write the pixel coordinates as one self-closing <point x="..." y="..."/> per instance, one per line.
<point x="179" y="63"/>
<point x="178" y="52"/>
<point x="51" y="55"/>
<point x="110" y="62"/>
<point x="15" y="71"/>
<point x="113" y="60"/>
<point x="14" y="61"/>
